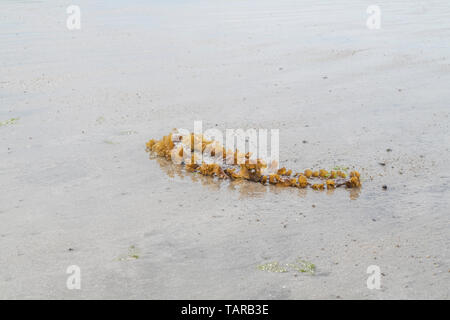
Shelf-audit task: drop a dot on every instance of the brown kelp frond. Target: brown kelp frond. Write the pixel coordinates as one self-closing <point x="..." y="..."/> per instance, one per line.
<point x="210" y="158"/>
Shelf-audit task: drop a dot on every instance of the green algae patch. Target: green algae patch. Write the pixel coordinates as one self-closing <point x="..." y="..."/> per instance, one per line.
<point x="341" y="168"/>
<point x="110" y="142"/>
<point x="133" y="254"/>
<point x="303" y="266"/>
<point x="273" y="267"/>
<point x="100" y="120"/>
<point x="9" y="122"/>
<point x="127" y="132"/>
<point x="299" y="265"/>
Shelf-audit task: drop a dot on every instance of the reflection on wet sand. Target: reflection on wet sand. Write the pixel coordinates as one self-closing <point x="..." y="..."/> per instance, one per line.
<point x="245" y="188"/>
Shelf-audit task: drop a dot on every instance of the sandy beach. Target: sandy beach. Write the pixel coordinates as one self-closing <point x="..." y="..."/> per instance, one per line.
<point x="78" y="188"/>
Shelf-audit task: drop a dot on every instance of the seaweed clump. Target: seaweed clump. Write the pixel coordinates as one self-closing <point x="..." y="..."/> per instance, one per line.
<point x="209" y="158"/>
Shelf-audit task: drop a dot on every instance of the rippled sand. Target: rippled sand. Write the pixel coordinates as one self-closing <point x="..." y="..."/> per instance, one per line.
<point x="77" y="187"/>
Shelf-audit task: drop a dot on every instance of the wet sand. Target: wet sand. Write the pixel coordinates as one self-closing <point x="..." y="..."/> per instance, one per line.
<point x="77" y="187"/>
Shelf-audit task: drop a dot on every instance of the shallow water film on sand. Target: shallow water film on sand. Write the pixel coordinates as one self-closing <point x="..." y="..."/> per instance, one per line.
<point x="349" y="85"/>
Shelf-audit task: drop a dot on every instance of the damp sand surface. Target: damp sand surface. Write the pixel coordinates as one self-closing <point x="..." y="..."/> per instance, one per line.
<point x="77" y="187"/>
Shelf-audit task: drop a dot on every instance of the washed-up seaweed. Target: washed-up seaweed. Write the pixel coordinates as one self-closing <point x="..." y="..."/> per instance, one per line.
<point x="210" y="158"/>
